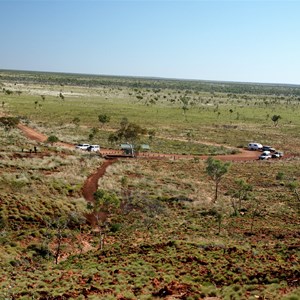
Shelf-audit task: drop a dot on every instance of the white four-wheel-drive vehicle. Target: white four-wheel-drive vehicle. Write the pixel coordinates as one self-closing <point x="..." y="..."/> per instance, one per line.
<point x="255" y="146"/>
<point x="93" y="148"/>
<point x="265" y="155"/>
<point x="82" y="146"/>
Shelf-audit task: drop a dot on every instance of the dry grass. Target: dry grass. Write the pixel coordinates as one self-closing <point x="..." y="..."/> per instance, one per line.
<point x="173" y="238"/>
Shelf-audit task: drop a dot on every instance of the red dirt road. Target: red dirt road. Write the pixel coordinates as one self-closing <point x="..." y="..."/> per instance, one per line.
<point x="40" y="137"/>
<point x="32" y="133"/>
<point x="91" y="184"/>
<point x="244" y="155"/>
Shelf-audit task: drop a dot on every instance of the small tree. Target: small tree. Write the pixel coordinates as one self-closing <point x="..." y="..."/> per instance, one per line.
<point x="185" y="106"/>
<point x="258" y="209"/>
<point x="141" y="208"/>
<point x="276" y="119"/>
<point x="216" y="170"/>
<point x="76" y="121"/>
<point x="151" y="134"/>
<point x="52" y="139"/>
<point x="152" y="209"/>
<point x="94" y="131"/>
<point x="241" y="192"/>
<point x="112" y="138"/>
<point x="8" y="92"/>
<point x="58" y="226"/>
<point x="294" y="187"/>
<point x="104" y="205"/>
<point x="103" y="119"/>
<point x="9" y="122"/>
<point x="131" y="132"/>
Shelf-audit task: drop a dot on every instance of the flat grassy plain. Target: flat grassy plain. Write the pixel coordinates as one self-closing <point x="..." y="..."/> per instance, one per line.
<point x="231" y="119"/>
<point x="167" y="239"/>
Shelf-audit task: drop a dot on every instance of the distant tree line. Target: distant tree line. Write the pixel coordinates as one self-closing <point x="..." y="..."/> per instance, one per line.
<point x="153" y="83"/>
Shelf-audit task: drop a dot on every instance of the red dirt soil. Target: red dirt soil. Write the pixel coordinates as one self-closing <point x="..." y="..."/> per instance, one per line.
<point x="243" y="155"/>
<point x="91" y="184"/>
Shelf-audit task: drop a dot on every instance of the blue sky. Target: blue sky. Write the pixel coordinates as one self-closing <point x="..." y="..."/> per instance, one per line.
<point x="248" y="41"/>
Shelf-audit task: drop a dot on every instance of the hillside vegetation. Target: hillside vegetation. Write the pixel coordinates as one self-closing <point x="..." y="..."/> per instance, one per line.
<point x="153" y="229"/>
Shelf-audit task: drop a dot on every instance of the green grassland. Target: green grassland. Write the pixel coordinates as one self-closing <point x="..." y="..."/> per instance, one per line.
<point x="167" y="239"/>
<point x="209" y="116"/>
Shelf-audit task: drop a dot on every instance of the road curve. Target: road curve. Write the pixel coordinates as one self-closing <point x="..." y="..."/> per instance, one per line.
<point x="243" y="155"/>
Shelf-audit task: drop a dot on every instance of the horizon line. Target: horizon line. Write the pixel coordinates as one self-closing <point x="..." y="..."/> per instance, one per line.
<point x="156" y="77"/>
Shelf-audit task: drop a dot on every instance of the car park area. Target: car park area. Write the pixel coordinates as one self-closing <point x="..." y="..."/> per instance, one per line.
<point x="267" y="151"/>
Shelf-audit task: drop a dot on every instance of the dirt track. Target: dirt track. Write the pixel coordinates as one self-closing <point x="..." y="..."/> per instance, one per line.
<point x="91" y="184"/>
<point x="243" y="155"/>
<point x="39" y="137"/>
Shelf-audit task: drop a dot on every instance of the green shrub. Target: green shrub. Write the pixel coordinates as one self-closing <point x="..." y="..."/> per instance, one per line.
<point x="280" y="176"/>
<point x="115" y="227"/>
<point x="40" y="250"/>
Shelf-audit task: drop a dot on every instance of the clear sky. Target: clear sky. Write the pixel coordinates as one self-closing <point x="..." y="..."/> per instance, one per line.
<point x="252" y="41"/>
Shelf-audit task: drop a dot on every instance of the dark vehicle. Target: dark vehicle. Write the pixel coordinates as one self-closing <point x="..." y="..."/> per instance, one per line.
<point x="277" y="154"/>
<point x="268" y="148"/>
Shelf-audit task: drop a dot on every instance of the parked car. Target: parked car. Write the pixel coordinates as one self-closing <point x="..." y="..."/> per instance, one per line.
<point x="255" y="146"/>
<point x="93" y="148"/>
<point x="265" y="155"/>
<point x="268" y="148"/>
<point x="277" y="154"/>
<point x="82" y="146"/>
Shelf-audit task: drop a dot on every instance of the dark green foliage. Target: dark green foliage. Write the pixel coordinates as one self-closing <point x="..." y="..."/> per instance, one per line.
<point x="9" y="122"/>
<point x="216" y="170"/>
<point x="115" y="227"/>
<point x="112" y="138"/>
<point x="8" y="92"/>
<point x="240" y="192"/>
<point x="276" y="119"/>
<point x="130" y="131"/>
<point x="232" y="88"/>
<point x="104" y="201"/>
<point x="280" y="176"/>
<point x="41" y="250"/>
<point x="61" y="96"/>
<point x="52" y="139"/>
<point x="103" y="118"/>
<point x="104" y="205"/>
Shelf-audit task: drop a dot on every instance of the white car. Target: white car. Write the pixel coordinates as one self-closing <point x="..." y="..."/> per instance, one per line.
<point x="255" y="146"/>
<point x="93" y="148"/>
<point x="265" y="155"/>
<point x="82" y="146"/>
